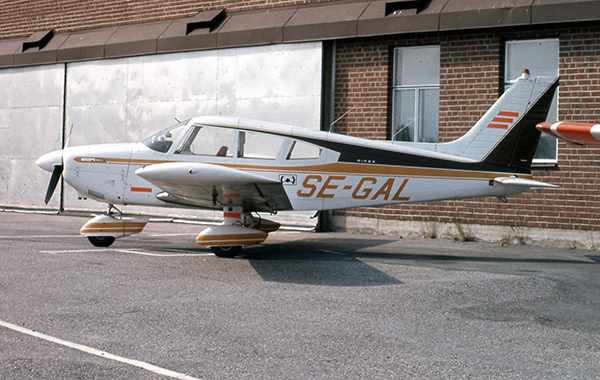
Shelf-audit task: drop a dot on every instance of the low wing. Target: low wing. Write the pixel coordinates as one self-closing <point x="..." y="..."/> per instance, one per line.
<point x="214" y="186"/>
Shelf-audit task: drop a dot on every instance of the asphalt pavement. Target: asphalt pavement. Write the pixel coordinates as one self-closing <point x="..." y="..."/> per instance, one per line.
<point x="302" y="305"/>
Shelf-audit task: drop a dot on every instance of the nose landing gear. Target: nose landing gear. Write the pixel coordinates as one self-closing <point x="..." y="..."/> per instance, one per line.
<point x="103" y="230"/>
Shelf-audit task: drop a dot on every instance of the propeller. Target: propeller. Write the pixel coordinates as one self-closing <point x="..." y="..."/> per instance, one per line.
<point x="56" y="173"/>
<point x="51" y="162"/>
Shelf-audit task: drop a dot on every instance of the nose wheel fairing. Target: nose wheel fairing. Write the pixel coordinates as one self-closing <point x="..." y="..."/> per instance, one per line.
<point x="102" y="230"/>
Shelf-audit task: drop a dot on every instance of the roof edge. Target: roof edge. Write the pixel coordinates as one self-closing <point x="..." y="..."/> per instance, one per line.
<point x="303" y="23"/>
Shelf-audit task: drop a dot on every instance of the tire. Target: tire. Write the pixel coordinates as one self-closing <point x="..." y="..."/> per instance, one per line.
<point x="101" y="241"/>
<point x="227" y="251"/>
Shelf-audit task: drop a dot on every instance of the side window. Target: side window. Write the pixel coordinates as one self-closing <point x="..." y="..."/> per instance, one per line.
<point x="303" y="151"/>
<point x="258" y="145"/>
<point x="541" y="58"/>
<point x="210" y="141"/>
<point x="416" y="94"/>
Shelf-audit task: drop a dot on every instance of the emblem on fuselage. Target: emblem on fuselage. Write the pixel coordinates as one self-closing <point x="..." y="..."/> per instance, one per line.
<point x="288" y="179"/>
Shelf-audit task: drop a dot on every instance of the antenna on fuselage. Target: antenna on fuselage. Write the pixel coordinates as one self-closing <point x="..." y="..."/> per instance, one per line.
<point x="341" y="117"/>
<point x="403" y="128"/>
<point x="69" y="136"/>
<point x="177" y="120"/>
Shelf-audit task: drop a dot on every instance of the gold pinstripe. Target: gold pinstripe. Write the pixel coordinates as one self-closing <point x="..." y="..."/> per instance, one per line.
<point x="338" y="168"/>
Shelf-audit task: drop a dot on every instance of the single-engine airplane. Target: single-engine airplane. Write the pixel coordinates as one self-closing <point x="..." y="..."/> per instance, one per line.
<point x="244" y="167"/>
<point x="573" y="132"/>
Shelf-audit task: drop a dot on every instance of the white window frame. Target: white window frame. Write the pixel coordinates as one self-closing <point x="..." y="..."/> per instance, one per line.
<point x="536" y="66"/>
<point x="418" y="89"/>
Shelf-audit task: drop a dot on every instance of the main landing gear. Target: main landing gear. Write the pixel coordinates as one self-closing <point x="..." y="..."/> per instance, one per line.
<point x="227" y="251"/>
<point x="238" y="229"/>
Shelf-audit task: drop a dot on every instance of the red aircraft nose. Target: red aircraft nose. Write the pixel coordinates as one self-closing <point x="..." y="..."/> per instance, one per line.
<point x="578" y="133"/>
<point x="545" y="126"/>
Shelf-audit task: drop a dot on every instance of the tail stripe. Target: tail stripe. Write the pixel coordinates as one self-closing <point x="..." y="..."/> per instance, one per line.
<point x="503" y="120"/>
<point x="508" y="113"/>
<point x="497" y="126"/>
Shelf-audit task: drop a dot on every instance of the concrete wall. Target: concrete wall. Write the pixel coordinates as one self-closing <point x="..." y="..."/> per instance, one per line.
<point x="31" y="114"/>
<point x="126" y="100"/>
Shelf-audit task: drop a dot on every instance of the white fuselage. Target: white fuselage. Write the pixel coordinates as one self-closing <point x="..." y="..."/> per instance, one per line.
<point x="107" y="173"/>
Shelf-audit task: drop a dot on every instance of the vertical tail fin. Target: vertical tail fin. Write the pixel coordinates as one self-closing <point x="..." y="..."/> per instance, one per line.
<point x="506" y="134"/>
<point x="517" y="147"/>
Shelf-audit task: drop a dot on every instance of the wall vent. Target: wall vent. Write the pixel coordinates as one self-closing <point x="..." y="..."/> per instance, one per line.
<point x="395" y="6"/>
<point x="206" y="20"/>
<point x="38" y="40"/>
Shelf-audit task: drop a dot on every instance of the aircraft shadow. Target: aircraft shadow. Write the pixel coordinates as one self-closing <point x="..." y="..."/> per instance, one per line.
<point x="335" y="261"/>
<point x="303" y="262"/>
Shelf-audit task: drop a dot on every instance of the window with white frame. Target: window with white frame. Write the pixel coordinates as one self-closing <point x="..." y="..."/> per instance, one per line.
<point x="416" y="93"/>
<point x="541" y="58"/>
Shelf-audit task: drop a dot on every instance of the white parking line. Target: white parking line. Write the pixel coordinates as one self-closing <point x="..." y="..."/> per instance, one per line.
<point x="54" y="252"/>
<point x="163" y="235"/>
<point x="136" y="252"/>
<point x="130" y="251"/>
<point x="38" y="236"/>
<point x="136" y="363"/>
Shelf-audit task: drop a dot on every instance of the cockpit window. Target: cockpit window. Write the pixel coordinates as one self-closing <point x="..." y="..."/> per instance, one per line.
<point x="163" y="140"/>
<point x="209" y="141"/>
<point x="258" y="145"/>
<point x="303" y="151"/>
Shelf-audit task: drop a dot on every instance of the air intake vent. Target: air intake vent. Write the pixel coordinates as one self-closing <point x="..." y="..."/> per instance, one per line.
<point x="96" y="194"/>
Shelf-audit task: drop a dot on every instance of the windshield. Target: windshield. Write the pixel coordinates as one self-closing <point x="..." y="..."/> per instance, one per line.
<point x="163" y="140"/>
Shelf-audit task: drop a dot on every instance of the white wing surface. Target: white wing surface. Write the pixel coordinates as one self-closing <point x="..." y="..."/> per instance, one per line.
<point x="215" y="186"/>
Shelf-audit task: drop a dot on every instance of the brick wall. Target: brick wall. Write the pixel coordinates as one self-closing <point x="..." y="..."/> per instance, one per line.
<point x="20" y="18"/>
<point x="470" y="74"/>
<point x="471" y="79"/>
<point x="361" y="88"/>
